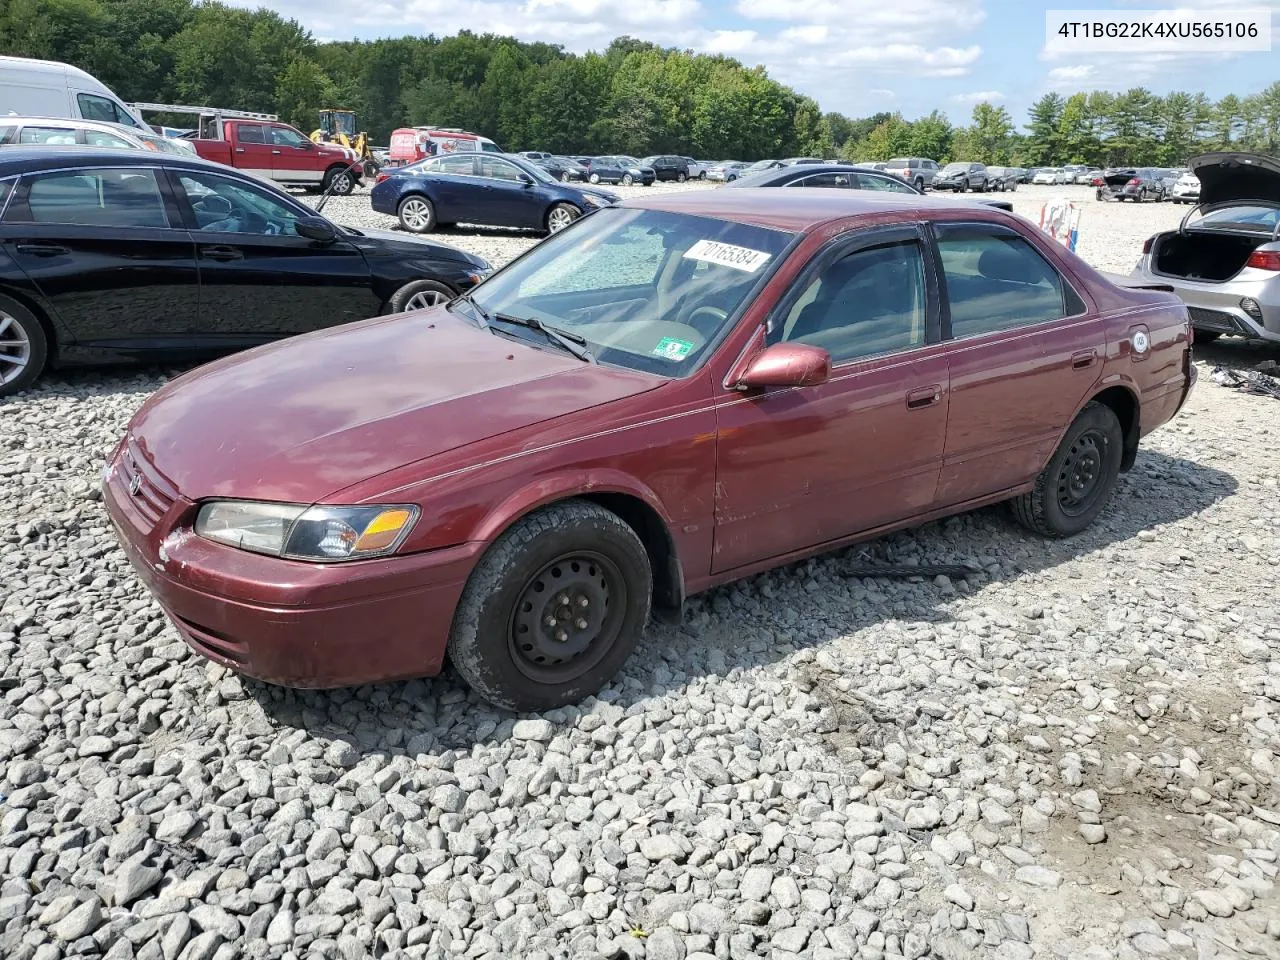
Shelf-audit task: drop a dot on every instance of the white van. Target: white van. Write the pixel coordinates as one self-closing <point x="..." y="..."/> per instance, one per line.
<point x="46" y="88"/>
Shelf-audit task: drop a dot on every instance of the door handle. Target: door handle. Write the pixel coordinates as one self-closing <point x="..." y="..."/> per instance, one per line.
<point x="239" y="149"/>
<point x="1083" y="359"/>
<point x="221" y="253"/>
<point x="42" y="249"/>
<point x="924" y="397"/>
<point x="276" y="152"/>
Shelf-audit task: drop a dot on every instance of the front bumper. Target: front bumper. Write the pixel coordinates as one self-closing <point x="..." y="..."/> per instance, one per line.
<point x="306" y="625"/>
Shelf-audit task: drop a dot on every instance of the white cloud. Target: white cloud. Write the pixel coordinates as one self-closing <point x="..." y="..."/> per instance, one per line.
<point x="730" y="42"/>
<point x="1075" y="74"/>
<point x="979" y="96"/>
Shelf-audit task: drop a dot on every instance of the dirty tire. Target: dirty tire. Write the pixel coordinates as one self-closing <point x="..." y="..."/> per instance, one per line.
<point x="483" y="640"/>
<point x="419" y="295"/>
<point x="1045" y="510"/>
<point x="24" y="347"/>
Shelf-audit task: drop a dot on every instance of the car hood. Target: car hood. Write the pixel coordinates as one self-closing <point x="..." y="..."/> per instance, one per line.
<point x="301" y="419"/>
<point x="376" y="242"/>
<point x="605" y="195"/>
<point x="1229" y="176"/>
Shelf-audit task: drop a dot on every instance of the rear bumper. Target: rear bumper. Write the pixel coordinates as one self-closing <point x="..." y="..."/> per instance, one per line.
<point x="1216" y="307"/>
<point x="288" y="623"/>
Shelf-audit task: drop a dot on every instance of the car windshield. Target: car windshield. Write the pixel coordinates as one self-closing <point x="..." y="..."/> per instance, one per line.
<point x="1248" y="215"/>
<point x="955" y="168"/>
<point x="648" y="290"/>
<point x="630" y="161"/>
<point x="649" y="161"/>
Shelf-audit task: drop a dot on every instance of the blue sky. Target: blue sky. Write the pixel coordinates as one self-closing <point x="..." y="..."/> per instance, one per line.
<point x="855" y="56"/>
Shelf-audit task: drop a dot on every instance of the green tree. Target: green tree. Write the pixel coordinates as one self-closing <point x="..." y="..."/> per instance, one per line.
<point x="1044" y="144"/>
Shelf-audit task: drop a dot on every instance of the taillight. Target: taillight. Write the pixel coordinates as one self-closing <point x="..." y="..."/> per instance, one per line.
<point x="1135" y="182"/>
<point x="1264" y="260"/>
<point x="1146" y="244"/>
<point x="381" y="177"/>
<point x="1097" y="181"/>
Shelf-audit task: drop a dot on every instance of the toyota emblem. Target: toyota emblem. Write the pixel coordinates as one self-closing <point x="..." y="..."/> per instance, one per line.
<point x="135" y="484"/>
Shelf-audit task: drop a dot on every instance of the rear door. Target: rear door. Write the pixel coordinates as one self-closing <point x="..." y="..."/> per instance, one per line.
<point x="259" y="280"/>
<point x="250" y="149"/>
<point x="107" y="250"/>
<point x="455" y="189"/>
<point x="1024" y="352"/>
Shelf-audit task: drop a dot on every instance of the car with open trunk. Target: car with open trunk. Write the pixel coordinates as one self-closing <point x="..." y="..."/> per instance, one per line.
<point x="670" y="394"/>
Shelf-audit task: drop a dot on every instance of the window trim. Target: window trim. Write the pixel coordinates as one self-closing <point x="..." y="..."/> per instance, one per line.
<point x="800" y="181"/>
<point x="997" y="229"/>
<point x="24" y="185"/>
<point x="855" y="241"/>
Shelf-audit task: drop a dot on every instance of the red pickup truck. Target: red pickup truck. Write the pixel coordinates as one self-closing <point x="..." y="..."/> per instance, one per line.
<point x="279" y="152"/>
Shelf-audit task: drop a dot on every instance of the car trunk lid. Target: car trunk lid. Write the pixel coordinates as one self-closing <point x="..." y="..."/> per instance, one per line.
<point x="1228" y="176"/>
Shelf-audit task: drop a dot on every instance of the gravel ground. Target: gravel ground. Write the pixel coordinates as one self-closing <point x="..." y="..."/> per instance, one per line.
<point x="1073" y="755"/>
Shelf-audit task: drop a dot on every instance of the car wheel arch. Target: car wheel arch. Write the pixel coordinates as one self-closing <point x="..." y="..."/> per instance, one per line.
<point x="1124" y="403"/>
<point x="43" y="316"/>
<point x="634" y="504"/>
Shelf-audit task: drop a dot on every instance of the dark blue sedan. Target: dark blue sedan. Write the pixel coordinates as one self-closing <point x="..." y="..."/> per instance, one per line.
<point x="492" y="189"/>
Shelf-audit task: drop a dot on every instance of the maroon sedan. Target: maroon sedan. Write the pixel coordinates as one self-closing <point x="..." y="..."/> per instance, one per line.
<point x="672" y="393"/>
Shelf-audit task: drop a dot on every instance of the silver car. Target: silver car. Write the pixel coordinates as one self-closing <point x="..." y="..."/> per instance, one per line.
<point x="57" y="131"/>
<point x="1226" y="265"/>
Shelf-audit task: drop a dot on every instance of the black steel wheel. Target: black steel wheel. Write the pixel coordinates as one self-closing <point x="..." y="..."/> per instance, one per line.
<point x="553" y="609"/>
<point x="1080" y="477"/>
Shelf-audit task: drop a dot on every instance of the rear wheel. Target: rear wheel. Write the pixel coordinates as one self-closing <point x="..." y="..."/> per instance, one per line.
<point x="417" y="214"/>
<point x="681" y="177"/>
<point x="1080" y="478"/>
<point x="553" y="609"/>
<point x="24" y="348"/>
<point x="560" y="216"/>
<point x="595" y="178"/>
<point x="419" y="295"/>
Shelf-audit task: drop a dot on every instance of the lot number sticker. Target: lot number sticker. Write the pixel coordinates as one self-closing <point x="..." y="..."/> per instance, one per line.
<point x="727" y="255"/>
<point x="669" y="348"/>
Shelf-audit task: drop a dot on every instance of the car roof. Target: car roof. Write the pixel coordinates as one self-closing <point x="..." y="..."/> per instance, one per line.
<point x="795" y="209"/>
<point x="22" y="158"/>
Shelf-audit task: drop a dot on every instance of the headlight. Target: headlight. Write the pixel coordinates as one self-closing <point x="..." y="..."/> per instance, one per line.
<point x="298" y="532"/>
<point x="594" y="201"/>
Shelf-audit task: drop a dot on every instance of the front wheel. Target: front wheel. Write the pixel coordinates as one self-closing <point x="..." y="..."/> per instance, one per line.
<point x="23" y="347"/>
<point x="627" y="180"/>
<point x="594" y="178"/>
<point x="560" y="216"/>
<point x="553" y="609"/>
<point x="419" y="295"/>
<point x="964" y="187"/>
<point x="339" y="181"/>
<point x="564" y="177"/>
<point x="417" y="214"/>
<point x="1081" y="476"/>
<point x="702" y="176"/>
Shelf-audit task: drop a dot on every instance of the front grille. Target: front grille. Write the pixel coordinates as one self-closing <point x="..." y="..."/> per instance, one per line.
<point x="150" y="493"/>
<point x="1214" y="320"/>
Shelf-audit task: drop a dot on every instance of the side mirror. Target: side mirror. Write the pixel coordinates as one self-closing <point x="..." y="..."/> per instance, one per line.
<point x="786" y="365"/>
<point x="315" y="228"/>
<point x="526" y="180"/>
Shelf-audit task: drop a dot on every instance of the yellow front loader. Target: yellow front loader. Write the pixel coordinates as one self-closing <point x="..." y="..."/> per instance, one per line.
<point x="339" y="126"/>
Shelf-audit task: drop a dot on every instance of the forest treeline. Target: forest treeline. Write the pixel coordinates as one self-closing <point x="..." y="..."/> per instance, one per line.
<point x="634" y="97"/>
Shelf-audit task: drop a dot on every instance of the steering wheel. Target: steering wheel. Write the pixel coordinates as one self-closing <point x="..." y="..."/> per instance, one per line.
<point x="714" y="317"/>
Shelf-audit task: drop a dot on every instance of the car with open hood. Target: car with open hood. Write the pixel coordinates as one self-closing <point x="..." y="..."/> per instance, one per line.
<point x="1131" y="183"/>
<point x="1223" y="260"/>
<point x="668" y="395"/>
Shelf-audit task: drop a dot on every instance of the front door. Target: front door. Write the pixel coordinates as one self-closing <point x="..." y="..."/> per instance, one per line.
<point x="110" y="256"/>
<point x="508" y="200"/>
<point x="800" y="467"/>
<point x="259" y="280"/>
<point x="455" y="189"/>
<point x="1024" y="354"/>
<point x="293" y="157"/>
<point x="252" y="150"/>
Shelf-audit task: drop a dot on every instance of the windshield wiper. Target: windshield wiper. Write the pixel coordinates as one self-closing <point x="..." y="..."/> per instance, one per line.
<point x="571" y="342"/>
<point x="482" y="318"/>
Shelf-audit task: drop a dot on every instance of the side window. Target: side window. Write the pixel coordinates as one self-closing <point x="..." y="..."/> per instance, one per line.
<point x="250" y="133"/>
<point x="106" y="198"/>
<point x="100" y="108"/>
<point x="497" y="169"/>
<point x="822" y="180"/>
<point x="867" y="182"/>
<point x="463" y="164"/>
<point x="867" y="303"/>
<point x="284" y="137"/>
<point x="6" y="133"/>
<point x="59" y="136"/>
<point x="222" y="205"/>
<point x="97" y="138"/>
<point x="996" y="280"/>
<point x="6" y="188"/>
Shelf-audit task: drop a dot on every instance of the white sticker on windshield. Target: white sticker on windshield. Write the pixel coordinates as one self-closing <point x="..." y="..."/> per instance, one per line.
<point x="727" y="255"/>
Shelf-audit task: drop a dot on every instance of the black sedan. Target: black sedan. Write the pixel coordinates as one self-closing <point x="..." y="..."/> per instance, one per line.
<point x="123" y="255"/>
<point x="841" y="176"/>
<point x="564" y="169"/>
